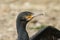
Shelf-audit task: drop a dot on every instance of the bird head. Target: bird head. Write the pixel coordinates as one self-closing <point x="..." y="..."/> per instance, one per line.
<point x="25" y="16"/>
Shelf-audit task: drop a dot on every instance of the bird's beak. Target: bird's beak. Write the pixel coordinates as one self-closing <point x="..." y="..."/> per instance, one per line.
<point x="32" y="16"/>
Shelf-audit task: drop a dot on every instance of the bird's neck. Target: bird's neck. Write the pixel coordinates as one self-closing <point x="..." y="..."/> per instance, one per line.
<point x="21" y="30"/>
<point x="21" y="25"/>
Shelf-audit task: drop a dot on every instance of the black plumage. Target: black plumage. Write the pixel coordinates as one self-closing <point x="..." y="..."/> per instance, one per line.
<point x="48" y="33"/>
<point x="22" y="20"/>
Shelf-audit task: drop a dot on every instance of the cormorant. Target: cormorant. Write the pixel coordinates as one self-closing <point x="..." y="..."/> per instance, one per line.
<point x="22" y="19"/>
<point x="48" y="33"/>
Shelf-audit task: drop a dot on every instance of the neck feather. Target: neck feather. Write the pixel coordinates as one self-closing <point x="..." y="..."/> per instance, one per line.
<point x="21" y="30"/>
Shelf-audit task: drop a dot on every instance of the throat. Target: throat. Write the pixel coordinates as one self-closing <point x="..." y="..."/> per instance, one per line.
<point x="21" y="30"/>
<point x="21" y="25"/>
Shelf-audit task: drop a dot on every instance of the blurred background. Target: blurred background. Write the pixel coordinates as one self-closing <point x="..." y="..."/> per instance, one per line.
<point x="9" y="9"/>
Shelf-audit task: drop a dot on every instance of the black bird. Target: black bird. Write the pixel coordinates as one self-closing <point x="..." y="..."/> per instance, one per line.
<point x="22" y="19"/>
<point x="48" y="33"/>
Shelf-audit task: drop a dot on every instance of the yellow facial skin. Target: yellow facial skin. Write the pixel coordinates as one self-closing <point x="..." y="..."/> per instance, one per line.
<point x="29" y="17"/>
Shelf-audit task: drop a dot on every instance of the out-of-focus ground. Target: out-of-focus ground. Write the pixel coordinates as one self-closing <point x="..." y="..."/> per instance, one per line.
<point x="9" y="9"/>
